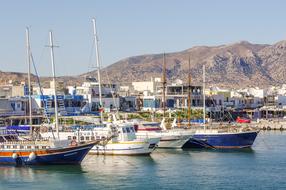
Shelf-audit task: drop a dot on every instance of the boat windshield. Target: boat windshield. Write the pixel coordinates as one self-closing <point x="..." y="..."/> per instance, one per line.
<point x="151" y="124"/>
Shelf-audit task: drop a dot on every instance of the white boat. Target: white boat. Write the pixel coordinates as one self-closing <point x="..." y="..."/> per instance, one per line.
<point x="169" y="138"/>
<point x="119" y="139"/>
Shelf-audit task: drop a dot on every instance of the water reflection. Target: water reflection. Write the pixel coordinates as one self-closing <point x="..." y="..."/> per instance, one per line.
<point x="242" y="150"/>
<point x="170" y="169"/>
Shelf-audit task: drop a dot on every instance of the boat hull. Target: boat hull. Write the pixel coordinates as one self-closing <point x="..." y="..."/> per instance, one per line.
<point x="169" y="139"/>
<point x="175" y="142"/>
<point x="70" y="155"/>
<point x="222" y="140"/>
<point x="144" y="147"/>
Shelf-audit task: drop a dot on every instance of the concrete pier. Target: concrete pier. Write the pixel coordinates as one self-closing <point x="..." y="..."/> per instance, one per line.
<point x="269" y="124"/>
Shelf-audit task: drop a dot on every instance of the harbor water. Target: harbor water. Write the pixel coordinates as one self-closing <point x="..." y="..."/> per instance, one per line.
<point x="262" y="167"/>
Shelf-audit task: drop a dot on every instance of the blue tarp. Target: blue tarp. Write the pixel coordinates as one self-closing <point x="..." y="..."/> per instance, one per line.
<point x="18" y="128"/>
<point x="194" y="120"/>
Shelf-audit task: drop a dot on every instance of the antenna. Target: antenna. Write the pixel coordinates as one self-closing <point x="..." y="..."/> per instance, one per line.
<point x="98" y="65"/>
<point x="54" y="81"/>
<point x="29" y="78"/>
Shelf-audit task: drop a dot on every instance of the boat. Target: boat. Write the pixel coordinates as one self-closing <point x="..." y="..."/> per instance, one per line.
<point x="173" y="139"/>
<point x="116" y="139"/>
<point x="17" y="151"/>
<point x="221" y="137"/>
<point x="126" y="142"/>
<point x="169" y="138"/>
<point x="225" y="138"/>
<point x="32" y="150"/>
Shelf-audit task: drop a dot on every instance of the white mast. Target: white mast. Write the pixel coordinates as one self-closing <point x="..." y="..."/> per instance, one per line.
<point x="97" y="65"/>
<point x="54" y="81"/>
<point x="29" y="78"/>
<point x="204" y="96"/>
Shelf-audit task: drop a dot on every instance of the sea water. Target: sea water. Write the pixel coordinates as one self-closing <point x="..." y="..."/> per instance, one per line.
<point x="261" y="167"/>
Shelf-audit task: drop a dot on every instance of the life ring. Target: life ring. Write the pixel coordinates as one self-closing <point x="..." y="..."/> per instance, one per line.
<point x="32" y="156"/>
<point x="15" y="156"/>
<point x="73" y="143"/>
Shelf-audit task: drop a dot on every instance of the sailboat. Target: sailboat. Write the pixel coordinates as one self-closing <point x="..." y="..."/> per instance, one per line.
<point x="117" y="138"/>
<point x="16" y="150"/>
<point x="226" y="137"/>
<point x="170" y="138"/>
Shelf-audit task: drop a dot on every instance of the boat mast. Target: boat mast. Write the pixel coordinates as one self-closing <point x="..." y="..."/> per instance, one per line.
<point x="29" y="79"/>
<point x="204" y="96"/>
<point x="54" y="81"/>
<point x="189" y="94"/>
<point x="97" y="65"/>
<point x="164" y="86"/>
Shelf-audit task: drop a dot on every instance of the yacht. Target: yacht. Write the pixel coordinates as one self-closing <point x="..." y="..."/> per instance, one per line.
<point x="116" y="139"/>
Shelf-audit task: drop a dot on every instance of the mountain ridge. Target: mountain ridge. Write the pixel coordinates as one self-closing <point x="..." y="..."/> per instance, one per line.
<point x="234" y="65"/>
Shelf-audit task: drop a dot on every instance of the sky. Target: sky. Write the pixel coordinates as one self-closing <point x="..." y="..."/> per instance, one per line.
<point x="128" y="28"/>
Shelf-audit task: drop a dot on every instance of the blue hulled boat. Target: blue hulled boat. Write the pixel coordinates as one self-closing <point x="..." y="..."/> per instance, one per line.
<point x="223" y="138"/>
<point x="17" y="151"/>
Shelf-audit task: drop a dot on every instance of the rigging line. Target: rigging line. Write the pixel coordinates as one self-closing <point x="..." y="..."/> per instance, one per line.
<point x="39" y="83"/>
<point x="112" y="93"/>
<point x="109" y="84"/>
<point x="90" y="64"/>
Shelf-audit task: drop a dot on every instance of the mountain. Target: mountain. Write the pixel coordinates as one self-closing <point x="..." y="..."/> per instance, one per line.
<point x="236" y="65"/>
<point x="233" y="65"/>
<point x="16" y="78"/>
<point x="6" y="77"/>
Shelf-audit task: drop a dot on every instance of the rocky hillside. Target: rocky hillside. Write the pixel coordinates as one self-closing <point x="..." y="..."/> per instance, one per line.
<point x="235" y="65"/>
<point x="16" y="78"/>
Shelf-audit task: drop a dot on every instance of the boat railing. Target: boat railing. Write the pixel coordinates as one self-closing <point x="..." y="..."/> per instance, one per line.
<point x="25" y="142"/>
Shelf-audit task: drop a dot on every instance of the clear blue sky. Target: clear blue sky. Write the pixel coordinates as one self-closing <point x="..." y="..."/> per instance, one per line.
<point x="129" y="27"/>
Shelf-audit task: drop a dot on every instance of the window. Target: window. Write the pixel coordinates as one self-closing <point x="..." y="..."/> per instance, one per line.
<point x="82" y="138"/>
<point x="124" y="130"/>
<point x="44" y="147"/>
<point x="69" y="137"/>
<point x="87" y="138"/>
<point x="21" y="147"/>
<point x="97" y="137"/>
<point x="36" y="147"/>
<point x="128" y="129"/>
<point x="74" y="137"/>
<point x="29" y="147"/>
<point x="14" y="146"/>
<point x="8" y="146"/>
<point x="92" y="138"/>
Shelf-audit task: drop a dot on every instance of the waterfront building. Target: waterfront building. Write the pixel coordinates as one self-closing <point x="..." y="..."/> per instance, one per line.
<point x="17" y="106"/>
<point x="90" y="92"/>
<point x="67" y="104"/>
<point x="176" y="97"/>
